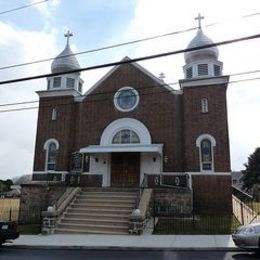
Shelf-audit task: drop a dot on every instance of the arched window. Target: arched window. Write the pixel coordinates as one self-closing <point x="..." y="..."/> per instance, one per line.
<point x="204" y="105"/>
<point x="205" y="143"/>
<point x="126" y="136"/>
<point x="51" y="146"/>
<point x="206" y="155"/>
<point x="54" y="114"/>
<point x="51" y="157"/>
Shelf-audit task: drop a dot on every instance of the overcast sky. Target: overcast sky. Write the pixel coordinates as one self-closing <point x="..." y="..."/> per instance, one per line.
<point x="37" y="33"/>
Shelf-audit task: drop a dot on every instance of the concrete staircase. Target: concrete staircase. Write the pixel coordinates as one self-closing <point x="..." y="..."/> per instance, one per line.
<point x="98" y="211"/>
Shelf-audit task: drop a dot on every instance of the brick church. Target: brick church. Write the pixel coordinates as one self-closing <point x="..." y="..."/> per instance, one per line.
<point x="131" y="125"/>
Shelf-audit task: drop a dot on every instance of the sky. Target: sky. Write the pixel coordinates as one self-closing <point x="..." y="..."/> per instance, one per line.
<point x="37" y="33"/>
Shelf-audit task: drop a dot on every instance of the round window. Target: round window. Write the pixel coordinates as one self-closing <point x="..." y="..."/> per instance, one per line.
<point x="126" y="99"/>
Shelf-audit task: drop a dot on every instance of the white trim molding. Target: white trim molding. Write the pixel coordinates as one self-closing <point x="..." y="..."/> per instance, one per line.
<point x="51" y="140"/>
<point x="117" y="96"/>
<point x="125" y="123"/>
<point x="206" y="81"/>
<point x="210" y="173"/>
<point x="206" y="136"/>
<point x="152" y="148"/>
<point x="46" y="148"/>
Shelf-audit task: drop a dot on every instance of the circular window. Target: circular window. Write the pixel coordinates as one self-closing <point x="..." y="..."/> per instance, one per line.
<point x="126" y="99"/>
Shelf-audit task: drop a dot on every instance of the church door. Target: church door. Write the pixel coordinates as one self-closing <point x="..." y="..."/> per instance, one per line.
<point x="125" y="169"/>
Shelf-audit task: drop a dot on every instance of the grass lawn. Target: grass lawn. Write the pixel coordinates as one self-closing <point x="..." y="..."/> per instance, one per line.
<point x="201" y="225"/>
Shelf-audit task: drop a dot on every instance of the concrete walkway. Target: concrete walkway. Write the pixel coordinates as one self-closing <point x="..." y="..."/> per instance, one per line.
<point x="123" y="242"/>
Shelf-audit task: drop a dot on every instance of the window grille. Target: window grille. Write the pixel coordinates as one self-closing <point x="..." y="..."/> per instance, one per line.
<point x="57" y="82"/>
<point x="51" y="157"/>
<point x="54" y="114"/>
<point x="70" y="83"/>
<point x="204" y="105"/>
<point x="217" y="70"/>
<point x="206" y="155"/>
<point x="126" y="136"/>
<point x="189" y="73"/>
<point x="203" y="70"/>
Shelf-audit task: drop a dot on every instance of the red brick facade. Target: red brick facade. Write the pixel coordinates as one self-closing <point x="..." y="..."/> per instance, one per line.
<point x="172" y="118"/>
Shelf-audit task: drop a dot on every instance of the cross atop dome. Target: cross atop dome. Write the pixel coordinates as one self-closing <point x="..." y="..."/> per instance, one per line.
<point x="68" y="34"/>
<point x="199" y="18"/>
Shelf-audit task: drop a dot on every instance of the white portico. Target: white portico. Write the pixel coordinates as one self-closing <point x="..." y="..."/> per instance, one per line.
<point x="125" y="153"/>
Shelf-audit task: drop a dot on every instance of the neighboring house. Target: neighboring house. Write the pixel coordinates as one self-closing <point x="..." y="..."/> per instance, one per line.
<point x="131" y="124"/>
<point x="237" y="180"/>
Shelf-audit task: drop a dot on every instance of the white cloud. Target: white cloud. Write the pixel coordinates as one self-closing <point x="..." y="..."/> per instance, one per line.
<point x="17" y="131"/>
<point x="46" y="8"/>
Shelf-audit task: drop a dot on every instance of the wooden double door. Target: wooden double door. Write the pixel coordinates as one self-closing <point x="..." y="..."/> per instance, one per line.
<point x="125" y="169"/>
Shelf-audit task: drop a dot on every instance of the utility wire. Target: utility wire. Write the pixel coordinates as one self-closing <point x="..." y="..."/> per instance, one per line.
<point x="99" y="49"/>
<point x="23" y="7"/>
<point x="107" y="99"/>
<point x="147" y="87"/>
<point x="160" y="55"/>
<point x="117" y="45"/>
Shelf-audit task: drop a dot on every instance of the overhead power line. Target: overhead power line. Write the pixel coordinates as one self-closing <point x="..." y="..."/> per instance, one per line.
<point x="23" y="7"/>
<point x="116" y="45"/>
<point x="160" y="55"/>
<point x="99" y="49"/>
<point x="106" y="98"/>
<point x="169" y="84"/>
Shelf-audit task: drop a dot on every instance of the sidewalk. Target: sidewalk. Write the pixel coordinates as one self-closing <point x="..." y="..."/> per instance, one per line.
<point x="124" y="242"/>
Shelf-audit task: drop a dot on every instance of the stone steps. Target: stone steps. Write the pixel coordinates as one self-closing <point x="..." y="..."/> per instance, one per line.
<point x="105" y="197"/>
<point x="103" y="232"/>
<point x="101" y="205"/>
<point x="96" y="216"/>
<point x="105" y="201"/>
<point x="98" y="211"/>
<point x="95" y="221"/>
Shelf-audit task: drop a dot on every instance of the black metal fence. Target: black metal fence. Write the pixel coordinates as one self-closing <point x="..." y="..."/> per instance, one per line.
<point x="174" y="217"/>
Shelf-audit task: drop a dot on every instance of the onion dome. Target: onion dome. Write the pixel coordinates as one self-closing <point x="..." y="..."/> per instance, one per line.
<point x="201" y="40"/>
<point x="66" y="60"/>
<point x="202" y="62"/>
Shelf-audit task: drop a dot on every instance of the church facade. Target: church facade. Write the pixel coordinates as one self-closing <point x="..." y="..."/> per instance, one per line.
<point x="131" y="125"/>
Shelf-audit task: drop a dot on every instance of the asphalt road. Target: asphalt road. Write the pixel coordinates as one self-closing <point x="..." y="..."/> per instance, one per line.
<point x="7" y="253"/>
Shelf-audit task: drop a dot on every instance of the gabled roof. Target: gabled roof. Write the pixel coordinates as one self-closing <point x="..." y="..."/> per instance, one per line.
<point x="139" y="67"/>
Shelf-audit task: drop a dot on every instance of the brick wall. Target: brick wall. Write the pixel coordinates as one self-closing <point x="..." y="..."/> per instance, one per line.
<point x="214" y="123"/>
<point x="81" y="124"/>
<point x="212" y="194"/>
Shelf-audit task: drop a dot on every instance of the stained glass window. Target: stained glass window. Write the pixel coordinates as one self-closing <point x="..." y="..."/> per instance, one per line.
<point x="126" y="136"/>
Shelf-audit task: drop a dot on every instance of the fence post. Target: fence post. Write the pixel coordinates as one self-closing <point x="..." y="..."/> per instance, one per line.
<point x="10" y="215"/>
<point x="242" y="213"/>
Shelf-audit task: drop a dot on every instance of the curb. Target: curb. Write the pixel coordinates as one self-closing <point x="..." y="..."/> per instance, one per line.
<point x="118" y="248"/>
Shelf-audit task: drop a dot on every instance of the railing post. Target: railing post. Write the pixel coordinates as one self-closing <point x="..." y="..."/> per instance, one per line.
<point x="242" y="213"/>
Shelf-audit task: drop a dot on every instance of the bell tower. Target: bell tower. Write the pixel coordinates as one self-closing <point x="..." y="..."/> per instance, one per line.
<point x="206" y="141"/>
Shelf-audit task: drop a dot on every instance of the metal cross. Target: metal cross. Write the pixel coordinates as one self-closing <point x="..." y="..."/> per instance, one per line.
<point x="199" y="18"/>
<point x="162" y="76"/>
<point x="68" y="35"/>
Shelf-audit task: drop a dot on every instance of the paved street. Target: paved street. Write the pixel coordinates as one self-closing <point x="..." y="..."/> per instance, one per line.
<point x="8" y="253"/>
